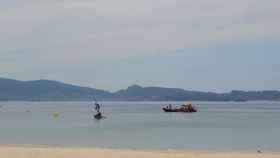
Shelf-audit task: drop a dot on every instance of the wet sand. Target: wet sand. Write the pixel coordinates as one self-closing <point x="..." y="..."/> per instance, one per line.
<point x="46" y="151"/>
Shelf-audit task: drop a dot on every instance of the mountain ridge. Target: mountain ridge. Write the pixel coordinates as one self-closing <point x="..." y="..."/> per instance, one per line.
<point x="49" y="90"/>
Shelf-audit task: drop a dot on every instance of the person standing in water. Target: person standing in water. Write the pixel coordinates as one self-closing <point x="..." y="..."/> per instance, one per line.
<point x="98" y="115"/>
<point x="97" y="107"/>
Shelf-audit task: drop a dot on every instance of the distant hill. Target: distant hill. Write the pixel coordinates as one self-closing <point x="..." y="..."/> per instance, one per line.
<point x="47" y="90"/>
<point x="161" y="94"/>
<point x="136" y="92"/>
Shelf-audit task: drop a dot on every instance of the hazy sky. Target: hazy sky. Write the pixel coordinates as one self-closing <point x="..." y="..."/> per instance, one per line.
<point x="209" y="45"/>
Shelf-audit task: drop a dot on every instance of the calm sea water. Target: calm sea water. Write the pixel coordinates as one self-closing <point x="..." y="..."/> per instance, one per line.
<point x="217" y="125"/>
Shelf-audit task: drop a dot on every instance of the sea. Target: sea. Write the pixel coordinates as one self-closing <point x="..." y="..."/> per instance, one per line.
<point x="143" y="125"/>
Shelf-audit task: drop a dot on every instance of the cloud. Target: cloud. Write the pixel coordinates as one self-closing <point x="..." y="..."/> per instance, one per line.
<point x="93" y="29"/>
<point x="45" y="38"/>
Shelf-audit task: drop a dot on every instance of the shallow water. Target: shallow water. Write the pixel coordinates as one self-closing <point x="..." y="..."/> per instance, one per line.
<point x="217" y="125"/>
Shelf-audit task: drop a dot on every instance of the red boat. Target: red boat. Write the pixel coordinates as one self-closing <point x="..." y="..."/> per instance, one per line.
<point x="184" y="108"/>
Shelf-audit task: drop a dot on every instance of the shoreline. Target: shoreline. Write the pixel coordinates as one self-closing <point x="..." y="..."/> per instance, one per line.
<point x="62" y="151"/>
<point x="140" y="148"/>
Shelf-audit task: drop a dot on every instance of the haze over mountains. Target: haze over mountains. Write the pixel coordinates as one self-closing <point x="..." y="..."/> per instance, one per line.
<point x="47" y="90"/>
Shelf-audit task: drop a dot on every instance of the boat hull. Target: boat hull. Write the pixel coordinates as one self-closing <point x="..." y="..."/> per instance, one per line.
<point x="179" y="110"/>
<point x="99" y="116"/>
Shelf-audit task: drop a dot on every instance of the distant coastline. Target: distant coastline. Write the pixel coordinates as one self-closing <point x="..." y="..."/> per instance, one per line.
<point x="48" y="90"/>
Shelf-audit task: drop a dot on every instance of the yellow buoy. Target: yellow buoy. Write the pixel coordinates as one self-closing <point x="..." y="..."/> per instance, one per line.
<point x="55" y="115"/>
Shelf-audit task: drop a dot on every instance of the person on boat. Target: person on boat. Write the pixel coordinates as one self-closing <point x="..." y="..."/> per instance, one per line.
<point x="189" y="107"/>
<point x="170" y="106"/>
<point x="97" y="107"/>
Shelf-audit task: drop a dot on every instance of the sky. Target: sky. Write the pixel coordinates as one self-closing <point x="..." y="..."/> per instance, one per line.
<point x="202" y="45"/>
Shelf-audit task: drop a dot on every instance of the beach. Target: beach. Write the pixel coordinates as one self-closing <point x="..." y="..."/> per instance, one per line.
<point x="46" y="151"/>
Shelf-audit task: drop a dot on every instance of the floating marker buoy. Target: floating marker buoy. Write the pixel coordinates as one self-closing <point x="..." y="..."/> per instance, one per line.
<point x="55" y="115"/>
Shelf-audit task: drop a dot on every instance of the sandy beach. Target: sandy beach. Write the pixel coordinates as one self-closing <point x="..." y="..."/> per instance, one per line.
<point x="32" y="151"/>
